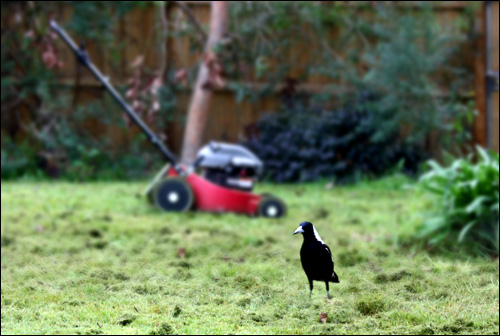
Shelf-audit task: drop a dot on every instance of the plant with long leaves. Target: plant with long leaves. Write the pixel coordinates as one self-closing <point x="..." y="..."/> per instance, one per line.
<point x="469" y="202"/>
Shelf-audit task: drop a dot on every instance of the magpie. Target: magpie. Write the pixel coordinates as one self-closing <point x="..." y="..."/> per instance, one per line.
<point x="316" y="258"/>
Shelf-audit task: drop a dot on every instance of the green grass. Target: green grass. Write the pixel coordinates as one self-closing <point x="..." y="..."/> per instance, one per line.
<point x="96" y="258"/>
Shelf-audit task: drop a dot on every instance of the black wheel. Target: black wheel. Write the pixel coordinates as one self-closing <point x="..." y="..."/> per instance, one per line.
<point x="173" y="195"/>
<point x="272" y="207"/>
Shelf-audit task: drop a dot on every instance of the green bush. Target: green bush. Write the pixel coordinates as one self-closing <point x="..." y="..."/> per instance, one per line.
<point x="402" y="54"/>
<point x="469" y="202"/>
<point x="17" y="160"/>
<point x="306" y="144"/>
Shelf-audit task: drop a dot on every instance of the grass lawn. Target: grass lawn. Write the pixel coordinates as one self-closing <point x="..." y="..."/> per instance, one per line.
<point x="96" y="258"/>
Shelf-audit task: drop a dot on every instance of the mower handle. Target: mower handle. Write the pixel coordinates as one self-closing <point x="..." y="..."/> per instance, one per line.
<point x="84" y="59"/>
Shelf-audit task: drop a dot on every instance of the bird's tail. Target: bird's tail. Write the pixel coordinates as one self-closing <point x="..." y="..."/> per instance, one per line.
<point x="335" y="278"/>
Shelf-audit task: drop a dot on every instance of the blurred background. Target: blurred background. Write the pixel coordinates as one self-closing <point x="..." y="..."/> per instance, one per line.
<point x="375" y="120"/>
<point x="325" y="89"/>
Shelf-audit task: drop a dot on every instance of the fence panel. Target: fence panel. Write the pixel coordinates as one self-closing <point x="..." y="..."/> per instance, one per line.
<point x="494" y="60"/>
<point x="140" y="33"/>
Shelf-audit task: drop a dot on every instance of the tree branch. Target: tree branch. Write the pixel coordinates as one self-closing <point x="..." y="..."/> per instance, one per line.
<point x="192" y="19"/>
<point x="202" y="95"/>
<point x="164" y="36"/>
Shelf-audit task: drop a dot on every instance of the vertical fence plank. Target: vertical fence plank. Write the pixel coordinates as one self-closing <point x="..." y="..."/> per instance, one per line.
<point x="480" y="123"/>
<point x="495" y="121"/>
<point x="494" y="36"/>
<point x="494" y="57"/>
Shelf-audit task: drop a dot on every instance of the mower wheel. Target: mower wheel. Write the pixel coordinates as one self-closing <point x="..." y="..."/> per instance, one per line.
<point x="173" y="195"/>
<point x="271" y="207"/>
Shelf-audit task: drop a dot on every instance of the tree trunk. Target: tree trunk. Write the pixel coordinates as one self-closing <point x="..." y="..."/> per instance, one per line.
<point x="202" y="95"/>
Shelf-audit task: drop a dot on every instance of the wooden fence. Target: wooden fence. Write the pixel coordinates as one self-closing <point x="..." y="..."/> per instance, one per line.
<point x="493" y="60"/>
<point x="228" y="118"/>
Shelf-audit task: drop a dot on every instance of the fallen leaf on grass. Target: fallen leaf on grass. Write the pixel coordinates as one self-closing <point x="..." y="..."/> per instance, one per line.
<point x="323" y="317"/>
<point x="181" y="253"/>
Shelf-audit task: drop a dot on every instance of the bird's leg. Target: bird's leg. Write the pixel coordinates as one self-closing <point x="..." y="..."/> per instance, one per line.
<point x="328" y="289"/>
<point x="311" y="287"/>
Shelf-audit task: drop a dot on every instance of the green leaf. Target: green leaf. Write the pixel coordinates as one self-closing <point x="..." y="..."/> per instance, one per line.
<point x="476" y="206"/>
<point x="465" y="231"/>
<point x="436" y="166"/>
<point x="432" y="225"/>
<point x="438" y="238"/>
<point x="496" y="206"/>
<point x="484" y="154"/>
<point x="496" y="157"/>
<point x="435" y="188"/>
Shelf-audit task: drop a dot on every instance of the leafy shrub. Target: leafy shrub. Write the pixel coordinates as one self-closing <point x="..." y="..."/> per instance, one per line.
<point x="44" y="131"/>
<point x="17" y="160"/>
<point x="309" y="144"/>
<point x="469" y="201"/>
<point x="415" y="64"/>
<point x="66" y="150"/>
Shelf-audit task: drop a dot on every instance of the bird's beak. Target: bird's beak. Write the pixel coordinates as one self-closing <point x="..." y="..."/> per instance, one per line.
<point x="299" y="230"/>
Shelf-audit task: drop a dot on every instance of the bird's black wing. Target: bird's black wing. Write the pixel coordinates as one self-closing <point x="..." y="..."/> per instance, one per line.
<point x="329" y="252"/>
<point x="317" y="261"/>
<point x="334" y="278"/>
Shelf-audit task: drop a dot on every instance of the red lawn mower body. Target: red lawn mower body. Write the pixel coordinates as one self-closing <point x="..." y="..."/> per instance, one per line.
<point x="225" y="181"/>
<point x="174" y="192"/>
<point x="210" y="197"/>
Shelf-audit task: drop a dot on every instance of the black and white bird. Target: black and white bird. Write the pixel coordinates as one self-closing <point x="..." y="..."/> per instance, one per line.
<point x="316" y="257"/>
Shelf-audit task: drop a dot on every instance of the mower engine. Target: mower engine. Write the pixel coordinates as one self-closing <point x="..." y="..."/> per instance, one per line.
<point x="229" y="166"/>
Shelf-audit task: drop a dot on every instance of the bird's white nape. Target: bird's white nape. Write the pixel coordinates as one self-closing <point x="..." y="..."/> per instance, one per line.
<point x="316" y="234"/>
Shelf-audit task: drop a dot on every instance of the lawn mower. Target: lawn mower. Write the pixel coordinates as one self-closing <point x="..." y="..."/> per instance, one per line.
<point x="227" y="172"/>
